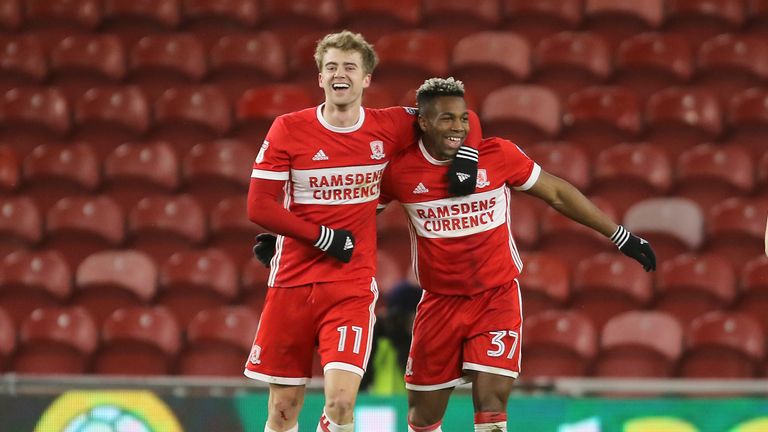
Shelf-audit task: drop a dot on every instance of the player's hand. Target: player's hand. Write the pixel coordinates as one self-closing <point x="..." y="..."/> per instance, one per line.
<point x="634" y="247"/>
<point x="264" y="249"/>
<point x="337" y="243"/>
<point x="462" y="174"/>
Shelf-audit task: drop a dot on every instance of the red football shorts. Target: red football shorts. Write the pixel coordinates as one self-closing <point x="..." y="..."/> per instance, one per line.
<point x="455" y="334"/>
<point x="336" y="317"/>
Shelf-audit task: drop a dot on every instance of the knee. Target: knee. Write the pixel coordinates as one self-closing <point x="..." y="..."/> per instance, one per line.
<point x="284" y="409"/>
<point x="492" y="402"/>
<point x="422" y="418"/>
<point x="340" y="408"/>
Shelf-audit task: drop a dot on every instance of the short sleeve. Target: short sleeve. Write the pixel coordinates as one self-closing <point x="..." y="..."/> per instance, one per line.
<point x="521" y="172"/>
<point x="475" y="134"/>
<point x="273" y="161"/>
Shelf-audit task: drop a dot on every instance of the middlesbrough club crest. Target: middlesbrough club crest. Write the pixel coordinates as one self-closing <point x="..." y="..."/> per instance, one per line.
<point x="377" y="150"/>
<point x="482" y="178"/>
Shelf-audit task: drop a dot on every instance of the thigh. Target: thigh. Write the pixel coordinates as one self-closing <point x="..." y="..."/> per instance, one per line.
<point x="490" y="392"/>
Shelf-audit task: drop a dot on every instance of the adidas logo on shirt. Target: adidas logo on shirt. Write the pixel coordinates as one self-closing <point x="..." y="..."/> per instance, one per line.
<point x="348" y="244"/>
<point x="420" y="189"/>
<point x="461" y="176"/>
<point x="320" y="155"/>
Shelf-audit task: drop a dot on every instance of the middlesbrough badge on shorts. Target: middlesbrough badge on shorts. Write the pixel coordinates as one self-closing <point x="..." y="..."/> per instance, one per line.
<point x="377" y="150"/>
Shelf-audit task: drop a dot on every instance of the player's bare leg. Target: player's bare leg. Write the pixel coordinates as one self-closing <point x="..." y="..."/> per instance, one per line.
<point x="341" y="389"/>
<point x="490" y="393"/>
<point x="285" y="402"/>
<point x="427" y="408"/>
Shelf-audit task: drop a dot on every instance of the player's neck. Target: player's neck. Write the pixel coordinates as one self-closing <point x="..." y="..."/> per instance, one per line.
<point x="431" y="150"/>
<point x="341" y="115"/>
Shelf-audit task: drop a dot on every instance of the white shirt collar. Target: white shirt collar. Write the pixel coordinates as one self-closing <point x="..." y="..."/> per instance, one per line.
<point x="429" y="157"/>
<point x="348" y="129"/>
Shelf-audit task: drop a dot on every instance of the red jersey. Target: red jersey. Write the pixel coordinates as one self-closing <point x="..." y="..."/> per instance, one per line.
<point x="463" y="245"/>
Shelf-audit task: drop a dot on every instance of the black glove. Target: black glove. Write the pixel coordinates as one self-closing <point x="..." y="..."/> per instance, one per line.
<point x="264" y="249"/>
<point x="462" y="174"/>
<point x="634" y="247"/>
<point x="337" y="243"/>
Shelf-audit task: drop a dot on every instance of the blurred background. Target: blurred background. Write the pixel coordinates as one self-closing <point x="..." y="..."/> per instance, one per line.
<point x="127" y="134"/>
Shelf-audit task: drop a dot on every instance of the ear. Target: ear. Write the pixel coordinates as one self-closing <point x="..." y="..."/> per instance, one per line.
<point x="367" y="81"/>
<point x="320" y="80"/>
<point x="422" y="123"/>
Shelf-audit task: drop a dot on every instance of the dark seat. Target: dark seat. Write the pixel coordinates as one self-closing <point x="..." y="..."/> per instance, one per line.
<point x="729" y="64"/>
<point x="617" y="20"/>
<point x="753" y="298"/>
<point x="216" y="170"/>
<point x="523" y="113"/>
<point x="407" y="57"/>
<point x="160" y="61"/>
<point x="131" y="20"/>
<point x="210" y="20"/>
<point x="259" y="106"/>
<point x="736" y="229"/>
<point x="748" y="118"/>
<point x="33" y="116"/>
<point x="21" y="224"/>
<point x="564" y="159"/>
<point x="254" y="278"/>
<point x="378" y="18"/>
<point x="455" y="19"/>
<point x="10" y="170"/>
<point x="558" y="344"/>
<point x="53" y="20"/>
<point x="698" y="20"/>
<point x="7" y="339"/>
<point x="22" y="62"/>
<point x="545" y="283"/>
<point x="81" y="62"/>
<point x="30" y="280"/>
<point x="289" y="18"/>
<point x="537" y="20"/>
<point x="672" y="225"/>
<point x="231" y="230"/>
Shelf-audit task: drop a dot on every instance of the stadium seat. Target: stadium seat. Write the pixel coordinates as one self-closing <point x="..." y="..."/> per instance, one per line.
<point x="254" y="278"/>
<point x="259" y="106"/>
<point x="29" y="280"/>
<point x="708" y="174"/>
<point x="21" y="224"/>
<point x="678" y="118"/>
<point x="239" y="62"/>
<point x="216" y="170"/>
<point x="564" y="159"/>
<point x="32" y="116"/>
<point x="569" y="61"/>
<point x="210" y="20"/>
<point x="131" y="20"/>
<point x="161" y="226"/>
<point x="640" y="344"/>
<point x="79" y="63"/>
<point x="626" y="174"/>
<point x="137" y="170"/>
<point x="671" y="225"/>
<point x="736" y="229"/>
<point x="537" y="20"/>
<point x="110" y="280"/>
<point x="80" y="226"/>
<point x="523" y="113"/>
<point x="729" y="64"/>
<point x="302" y="68"/>
<point x="525" y="230"/>
<point x="608" y="284"/>
<point x="55" y="171"/>
<point x="218" y="342"/>
<point x="138" y="341"/>
<point x="600" y="117"/>
<point x="408" y="58"/>
<point x="378" y="18"/>
<point x="757" y="17"/>
<point x="22" y="62"/>
<point x="160" y="61"/>
<point x="7" y="339"/>
<point x="290" y="18"/>
<point x="231" y="230"/>
<point x="378" y="97"/>
<point x="649" y="62"/>
<point x="53" y="20"/>
<point x="11" y="15"/>
<point x="192" y="281"/>
<point x="488" y="60"/>
<point x="545" y="283"/>
<point x="762" y="173"/>
<point x="691" y="285"/>
<point x="10" y="170"/>
<point x="616" y="20"/>
<point x="723" y="345"/>
<point x="454" y="19"/>
<point x="558" y="344"/>
<point x="409" y="99"/>
<point x="698" y="20"/>
<point x="110" y="116"/>
<point x="55" y="341"/>
<point x="753" y="298"/>
<point x="185" y="116"/>
<point x="748" y="118"/>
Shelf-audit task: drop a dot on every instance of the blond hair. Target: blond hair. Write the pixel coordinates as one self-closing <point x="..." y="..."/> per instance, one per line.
<point x="347" y="41"/>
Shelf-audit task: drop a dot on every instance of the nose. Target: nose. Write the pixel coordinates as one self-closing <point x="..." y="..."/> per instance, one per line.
<point x="457" y="125"/>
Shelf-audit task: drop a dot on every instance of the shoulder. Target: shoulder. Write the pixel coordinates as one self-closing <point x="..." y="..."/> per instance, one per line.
<point x="395" y="113"/>
<point x="297" y="117"/>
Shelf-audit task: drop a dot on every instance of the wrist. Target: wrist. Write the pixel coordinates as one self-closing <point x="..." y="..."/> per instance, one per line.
<point x="324" y="238"/>
<point x="620" y="236"/>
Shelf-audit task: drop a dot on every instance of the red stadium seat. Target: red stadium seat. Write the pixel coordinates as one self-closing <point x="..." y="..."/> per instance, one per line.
<point x="650" y="62"/>
<point x="80" y="226"/>
<point x="211" y="20"/>
<point x="253" y="281"/>
<point x="723" y="345"/>
<point x="161" y="226"/>
<point x="600" y="117"/>
<point x="231" y="230"/>
<point x="10" y="170"/>
<point x="679" y="118"/>
<point x="672" y="225"/>
<point x="748" y="118"/>
<point x="53" y="20"/>
<point x="29" y="280"/>
<point x="55" y="341"/>
<point x="33" y="116"/>
<point x="754" y="290"/>
<point x="159" y="61"/>
<point x="138" y="341"/>
<point x="137" y="170"/>
<point x="302" y="67"/>
<point x="21" y="224"/>
<point x="608" y="284"/>
<point x="133" y="19"/>
<point x="378" y="97"/>
<point x="239" y="62"/>
<point x="698" y="20"/>
<point x="708" y="174"/>
<point x="7" y="339"/>
<point x="525" y="230"/>
<point x="569" y="61"/>
<point x="192" y="281"/>
<point x="11" y="15"/>
<point x="55" y="171"/>
<point x="640" y="344"/>
<point x="455" y="19"/>
<point x="757" y="17"/>
<point x="110" y="280"/>
<point x="408" y="58"/>
<point x="616" y="20"/>
<point x="188" y="115"/>
<point x="218" y="342"/>
<point x="563" y="159"/>
<point x="523" y="113"/>
<point x="545" y="283"/>
<point x="729" y="64"/>
<point x="691" y="285"/>
<point x="290" y="18"/>
<point x="537" y="20"/>
<point x="259" y="106"/>
<point x="736" y="229"/>
<point x="378" y="18"/>
<point x="81" y="62"/>
<point x="488" y="60"/>
<point x="626" y="174"/>
<point x="22" y="62"/>
<point x="217" y="170"/>
<point x="558" y="344"/>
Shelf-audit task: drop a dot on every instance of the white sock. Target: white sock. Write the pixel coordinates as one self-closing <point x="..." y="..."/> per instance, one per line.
<point x="425" y="429"/>
<point x="490" y="422"/>
<point x="491" y="427"/>
<point x="326" y="425"/>
<point x="295" y="428"/>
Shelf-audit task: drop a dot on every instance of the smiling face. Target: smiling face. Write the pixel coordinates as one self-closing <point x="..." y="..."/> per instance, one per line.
<point x="343" y="77"/>
<point x="445" y="123"/>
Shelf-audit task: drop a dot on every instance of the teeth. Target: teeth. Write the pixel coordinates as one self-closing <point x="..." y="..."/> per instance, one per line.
<point x="340" y="86"/>
<point x="454" y="139"/>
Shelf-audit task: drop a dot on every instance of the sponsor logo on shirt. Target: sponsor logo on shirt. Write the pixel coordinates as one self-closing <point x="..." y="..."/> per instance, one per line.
<point x="337" y="185"/>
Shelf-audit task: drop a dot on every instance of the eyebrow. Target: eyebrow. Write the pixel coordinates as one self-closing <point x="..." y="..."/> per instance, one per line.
<point x="345" y="63"/>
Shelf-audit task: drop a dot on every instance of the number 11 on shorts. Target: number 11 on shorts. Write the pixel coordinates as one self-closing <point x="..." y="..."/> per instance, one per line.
<point x="358" y="331"/>
<point x="498" y="343"/>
